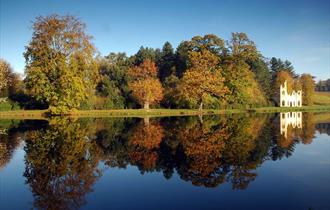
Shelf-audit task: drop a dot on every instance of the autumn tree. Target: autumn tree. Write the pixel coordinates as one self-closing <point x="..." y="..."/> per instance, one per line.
<point x="203" y="78"/>
<point x="241" y="81"/>
<point x="280" y="78"/>
<point x="5" y="71"/>
<point x="209" y="42"/>
<point x="60" y="66"/>
<point x="145" y="86"/>
<point x="242" y="47"/>
<point x="244" y="89"/>
<point x="308" y="88"/>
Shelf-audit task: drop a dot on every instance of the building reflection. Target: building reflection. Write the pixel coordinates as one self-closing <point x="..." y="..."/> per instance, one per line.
<point x="293" y="119"/>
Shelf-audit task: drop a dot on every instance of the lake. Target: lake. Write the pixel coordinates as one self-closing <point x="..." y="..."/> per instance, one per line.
<point x="238" y="161"/>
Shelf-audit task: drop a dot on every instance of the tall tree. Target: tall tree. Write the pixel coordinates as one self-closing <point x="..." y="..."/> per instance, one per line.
<point x="241" y="81"/>
<point x="166" y="62"/>
<point x="146" y="53"/>
<point x="203" y="78"/>
<point x="181" y="58"/>
<point x="262" y="74"/>
<point x="242" y="47"/>
<point x="209" y="42"/>
<point x="308" y="87"/>
<point x="145" y="85"/>
<point x="276" y="65"/>
<point x="5" y="71"/>
<point x="60" y="66"/>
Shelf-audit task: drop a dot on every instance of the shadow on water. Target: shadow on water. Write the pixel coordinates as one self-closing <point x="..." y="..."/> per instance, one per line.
<point x="62" y="156"/>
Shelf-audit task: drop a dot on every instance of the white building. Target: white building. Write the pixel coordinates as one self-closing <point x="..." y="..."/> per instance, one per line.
<point x="290" y="100"/>
<point x="293" y="119"/>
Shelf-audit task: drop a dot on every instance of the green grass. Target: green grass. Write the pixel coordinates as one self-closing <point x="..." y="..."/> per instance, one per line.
<point x="322" y="98"/>
<point x="23" y="114"/>
<point x="41" y="114"/>
<point x="7" y="106"/>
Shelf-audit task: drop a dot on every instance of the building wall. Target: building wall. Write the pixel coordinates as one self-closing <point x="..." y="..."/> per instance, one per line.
<point x="290" y="100"/>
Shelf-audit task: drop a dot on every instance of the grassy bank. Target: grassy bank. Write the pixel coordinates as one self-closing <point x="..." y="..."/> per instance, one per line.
<point x="41" y="114"/>
<point x="321" y="98"/>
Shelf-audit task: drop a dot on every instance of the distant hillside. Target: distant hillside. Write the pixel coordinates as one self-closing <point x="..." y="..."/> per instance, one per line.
<point x="322" y="98"/>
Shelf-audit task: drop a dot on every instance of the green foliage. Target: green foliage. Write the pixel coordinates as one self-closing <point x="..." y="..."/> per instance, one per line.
<point x="114" y="83"/>
<point x="60" y="67"/>
<point x="181" y="58"/>
<point x="242" y="84"/>
<point x="263" y="75"/>
<point x="146" y="53"/>
<point x="276" y="65"/>
<point x="166" y="63"/>
<point x="9" y="105"/>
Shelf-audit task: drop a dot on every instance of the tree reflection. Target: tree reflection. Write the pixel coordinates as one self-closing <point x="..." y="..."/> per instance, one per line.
<point x="10" y="140"/>
<point x="205" y="153"/>
<point x="144" y="141"/>
<point x="62" y="155"/>
<point x="61" y="165"/>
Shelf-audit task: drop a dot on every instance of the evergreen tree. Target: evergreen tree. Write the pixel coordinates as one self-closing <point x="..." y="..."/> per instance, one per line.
<point x="166" y="62"/>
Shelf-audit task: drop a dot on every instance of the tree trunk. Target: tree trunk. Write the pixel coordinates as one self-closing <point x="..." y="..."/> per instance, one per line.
<point x="200" y="116"/>
<point x="201" y="106"/>
<point x="146" y="105"/>
<point x="146" y="121"/>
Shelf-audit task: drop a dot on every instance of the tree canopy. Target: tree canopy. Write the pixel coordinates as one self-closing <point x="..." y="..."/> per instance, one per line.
<point x="5" y="70"/>
<point x="63" y="73"/>
<point x="60" y="66"/>
<point x="145" y="85"/>
<point x="202" y="78"/>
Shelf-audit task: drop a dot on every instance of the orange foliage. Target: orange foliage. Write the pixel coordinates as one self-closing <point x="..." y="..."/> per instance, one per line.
<point x="144" y="140"/>
<point x="148" y="91"/>
<point x="146" y="87"/>
<point x="283" y="76"/>
<point x="203" y="148"/>
<point x="147" y="69"/>
<point x="147" y="136"/>
<point x="203" y="78"/>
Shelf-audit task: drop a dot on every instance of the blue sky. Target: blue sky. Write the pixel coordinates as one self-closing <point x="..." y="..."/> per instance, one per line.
<point x="295" y="30"/>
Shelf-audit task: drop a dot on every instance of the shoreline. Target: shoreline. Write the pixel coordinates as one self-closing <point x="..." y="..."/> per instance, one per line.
<point x="42" y="114"/>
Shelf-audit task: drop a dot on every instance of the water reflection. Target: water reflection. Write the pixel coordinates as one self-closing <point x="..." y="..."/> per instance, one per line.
<point x="62" y="156"/>
<point x="61" y="165"/>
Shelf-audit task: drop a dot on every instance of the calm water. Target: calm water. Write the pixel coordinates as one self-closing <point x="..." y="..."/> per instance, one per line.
<point x="260" y="161"/>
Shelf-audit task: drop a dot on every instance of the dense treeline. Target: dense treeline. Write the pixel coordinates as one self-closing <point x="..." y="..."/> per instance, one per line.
<point x="63" y="72"/>
<point x="323" y="85"/>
